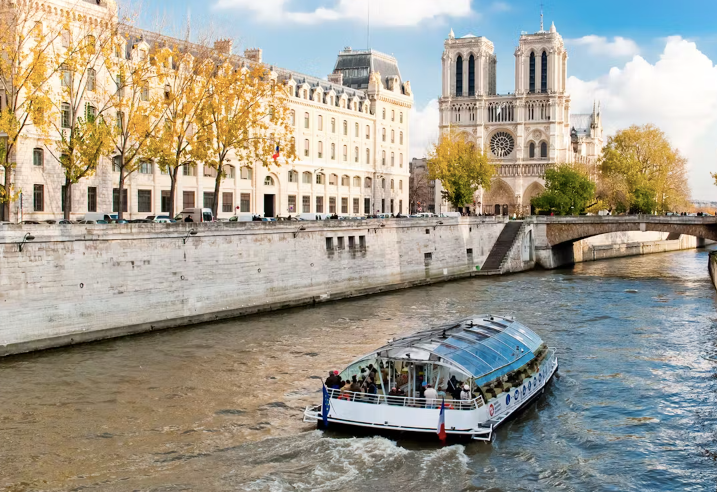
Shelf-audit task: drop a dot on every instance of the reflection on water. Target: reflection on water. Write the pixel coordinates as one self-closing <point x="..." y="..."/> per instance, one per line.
<point x="219" y="407"/>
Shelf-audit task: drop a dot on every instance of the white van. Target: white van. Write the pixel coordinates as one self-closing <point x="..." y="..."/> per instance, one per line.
<point x="196" y="214"/>
<point x="451" y="214"/>
<point x="95" y="216"/>
<point x="313" y="216"/>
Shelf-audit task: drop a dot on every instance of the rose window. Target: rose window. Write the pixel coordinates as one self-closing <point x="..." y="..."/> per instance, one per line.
<point x="502" y="144"/>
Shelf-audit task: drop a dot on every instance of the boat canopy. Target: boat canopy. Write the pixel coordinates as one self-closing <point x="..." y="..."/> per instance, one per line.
<point x="482" y="347"/>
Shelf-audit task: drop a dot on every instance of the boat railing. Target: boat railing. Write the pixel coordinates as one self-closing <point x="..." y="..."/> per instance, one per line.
<point x="405" y="401"/>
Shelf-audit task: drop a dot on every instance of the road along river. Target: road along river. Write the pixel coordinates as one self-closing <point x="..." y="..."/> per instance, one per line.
<point x="218" y="407"/>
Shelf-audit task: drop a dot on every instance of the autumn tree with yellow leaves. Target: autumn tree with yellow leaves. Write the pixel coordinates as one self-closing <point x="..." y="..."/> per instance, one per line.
<point x="28" y="36"/>
<point x="462" y="167"/>
<point x="247" y="116"/>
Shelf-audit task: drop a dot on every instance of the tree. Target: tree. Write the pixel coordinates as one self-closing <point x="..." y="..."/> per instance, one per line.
<point x="640" y="172"/>
<point x="27" y="35"/>
<point x="138" y="108"/>
<point x="568" y="191"/>
<point x="79" y="109"/>
<point x="185" y="80"/>
<point x="461" y="166"/>
<point x="247" y="114"/>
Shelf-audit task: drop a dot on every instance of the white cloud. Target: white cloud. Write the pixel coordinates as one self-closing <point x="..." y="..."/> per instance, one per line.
<point x="678" y="94"/>
<point x="383" y="12"/>
<point x="500" y="7"/>
<point x="598" y="45"/>
<point x="423" y="129"/>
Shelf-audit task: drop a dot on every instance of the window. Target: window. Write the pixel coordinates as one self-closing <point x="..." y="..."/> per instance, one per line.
<point x="91" y="199"/>
<point x="332" y="205"/>
<point x="459" y="76"/>
<point x="164" y="201"/>
<point x="38" y="157"/>
<point x="65" y="38"/>
<point x="346" y="153"/>
<point x="116" y="200"/>
<point x="120" y="121"/>
<point x="333" y="125"/>
<point x="345" y="181"/>
<point x="306" y="94"/>
<point x="356" y="205"/>
<point x="383" y="157"/>
<point x="144" y="200"/>
<point x="366" y="205"/>
<point x="391" y="209"/>
<point x="383" y="135"/>
<point x="90" y="113"/>
<point x="400" y="118"/>
<point x="356" y="130"/>
<point x="544" y="72"/>
<point x="306" y="177"/>
<point x="319" y="179"/>
<point x="321" y="123"/>
<point x="306" y="120"/>
<point x="292" y="204"/>
<point x="246" y="173"/>
<point x="383" y="205"/>
<point x="356" y="154"/>
<point x="471" y="76"/>
<point x="319" y="204"/>
<point x="400" y="138"/>
<point x="531" y="151"/>
<point x="208" y="199"/>
<point x="91" y="79"/>
<point x="544" y="150"/>
<point x="230" y="172"/>
<point x="392" y="159"/>
<point x="227" y="202"/>
<point x="144" y="95"/>
<point x="391" y="185"/>
<point x="120" y="85"/>
<point x="393" y="115"/>
<point x="333" y="179"/>
<point x="362" y="242"/>
<point x="189" y="169"/>
<point x="384" y="113"/>
<point x="400" y="206"/>
<point x="400" y="185"/>
<point x="400" y="160"/>
<point x="367" y="183"/>
<point x="532" y="73"/>
<point x="65" y="76"/>
<point x="117" y="163"/>
<point x="329" y="243"/>
<point x="383" y="183"/>
<point x="357" y="182"/>
<point x="145" y="167"/>
<point x="38" y="198"/>
<point x="321" y="149"/>
<point x="344" y="205"/>
<point x="65" y="115"/>
<point x="368" y="132"/>
<point x="393" y="136"/>
<point x="333" y="152"/>
<point x="306" y="147"/>
<point x="245" y="202"/>
<point x="368" y="156"/>
<point x="292" y="117"/>
<point x="346" y="127"/>
<point x="352" y="242"/>
<point x="268" y="181"/>
<point x="187" y="199"/>
<point x="306" y="204"/>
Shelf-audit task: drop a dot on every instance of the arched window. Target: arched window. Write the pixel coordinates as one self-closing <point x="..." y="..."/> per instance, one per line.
<point x="321" y="123"/>
<point x="384" y="113"/>
<point x="393" y="115"/>
<point x="383" y="134"/>
<point x="346" y="127"/>
<point x="356" y="154"/>
<point x="383" y="183"/>
<point x="459" y="76"/>
<point x="346" y="153"/>
<point x="400" y="118"/>
<point x="306" y="120"/>
<point x="356" y="130"/>
<point x="544" y="150"/>
<point x="345" y="180"/>
<point x="333" y="151"/>
<point x="368" y="132"/>
<point x="393" y="136"/>
<point x="321" y="149"/>
<point x="544" y="72"/>
<point x="383" y="157"/>
<point x="400" y="160"/>
<point x="292" y="117"/>
<point x="229" y="171"/>
<point x="471" y="76"/>
<point x="333" y="125"/>
<point x="306" y="177"/>
<point x="400" y="138"/>
<point x="367" y="183"/>
<point x="532" y="73"/>
<point x="368" y="156"/>
<point x="393" y="161"/>
<point x="531" y="152"/>
<point x="306" y="148"/>
<point x="400" y="185"/>
<point x="357" y="182"/>
<point x="268" y="181"/>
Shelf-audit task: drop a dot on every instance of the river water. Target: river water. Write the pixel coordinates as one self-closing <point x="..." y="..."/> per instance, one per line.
<point x="218" y="407"/>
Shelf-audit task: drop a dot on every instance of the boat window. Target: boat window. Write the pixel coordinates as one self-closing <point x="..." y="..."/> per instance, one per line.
<point x="480" y="351"/>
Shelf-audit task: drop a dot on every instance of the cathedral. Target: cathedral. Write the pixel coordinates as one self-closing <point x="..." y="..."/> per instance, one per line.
<point x="524" y="132"/>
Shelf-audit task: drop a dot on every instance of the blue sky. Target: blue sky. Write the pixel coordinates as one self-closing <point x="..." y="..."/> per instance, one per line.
<point x="648" y="61"/>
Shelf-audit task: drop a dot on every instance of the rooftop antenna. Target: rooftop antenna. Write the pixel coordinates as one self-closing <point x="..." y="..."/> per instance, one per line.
<point x="541" y="17"/>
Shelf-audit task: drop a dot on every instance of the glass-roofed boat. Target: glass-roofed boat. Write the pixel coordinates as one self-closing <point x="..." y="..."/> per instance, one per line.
<point x="480" y="370"/>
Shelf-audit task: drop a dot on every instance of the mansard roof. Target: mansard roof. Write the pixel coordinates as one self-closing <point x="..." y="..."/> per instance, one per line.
<point x="356" y="66"/>
<point x="581" y="122"/>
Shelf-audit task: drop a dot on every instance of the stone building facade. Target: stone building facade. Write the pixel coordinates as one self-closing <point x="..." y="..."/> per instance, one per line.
<point x="351" y="139"/>
<point x="524" y="132"/>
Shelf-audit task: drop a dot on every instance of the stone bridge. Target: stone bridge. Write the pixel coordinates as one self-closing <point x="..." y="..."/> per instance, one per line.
<point x="554" y="236"/>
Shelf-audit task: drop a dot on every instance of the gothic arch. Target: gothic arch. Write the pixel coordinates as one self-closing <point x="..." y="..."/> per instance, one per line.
<point x="535" y="189"/>
<point x="500" y="195"/>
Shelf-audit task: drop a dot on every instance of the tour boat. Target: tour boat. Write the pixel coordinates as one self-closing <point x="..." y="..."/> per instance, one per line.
<point x="501" y="365"/>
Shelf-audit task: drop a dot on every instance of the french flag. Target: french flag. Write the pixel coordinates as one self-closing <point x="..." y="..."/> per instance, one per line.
<point x="276" y="154"/>
<point x="441" y="431"/>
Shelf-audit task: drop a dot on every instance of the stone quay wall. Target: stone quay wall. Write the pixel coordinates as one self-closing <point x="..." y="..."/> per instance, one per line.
<point x="77" y="283"/>
<point x="622" y="244"/>
<point x="712" y="267"/>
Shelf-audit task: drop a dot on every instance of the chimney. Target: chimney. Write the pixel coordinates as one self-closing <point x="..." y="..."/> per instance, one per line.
<point x="223" y="46"/>
<point x="253" y="54"/>
<point x="337" y="78"/>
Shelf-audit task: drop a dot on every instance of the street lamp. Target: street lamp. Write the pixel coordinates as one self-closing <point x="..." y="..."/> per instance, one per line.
<point x="28" y="237"/>
<point x="192" y="232"/>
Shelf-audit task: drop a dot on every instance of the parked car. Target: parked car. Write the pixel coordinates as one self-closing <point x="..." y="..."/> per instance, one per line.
<point x="196" y="215"/>
<point x="120" y="221"/>
<point x="95" y="216"/>
<point x="160" y="219"/>
<point x="31" y="222"/>
<point x="66" y="222"/>
<point x="242" y="218"/>
<point x="450" y="214"/>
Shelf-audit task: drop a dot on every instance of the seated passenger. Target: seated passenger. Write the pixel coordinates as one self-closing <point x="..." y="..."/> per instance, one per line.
<point x="346" y="387"/>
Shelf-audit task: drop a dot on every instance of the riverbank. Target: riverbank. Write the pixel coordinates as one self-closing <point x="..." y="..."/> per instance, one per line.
<point x="624" y="244"/>
<point x="80" y="283"/>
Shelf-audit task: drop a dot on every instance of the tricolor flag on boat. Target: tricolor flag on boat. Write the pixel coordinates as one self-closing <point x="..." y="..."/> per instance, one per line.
<point x="441" y="431"/>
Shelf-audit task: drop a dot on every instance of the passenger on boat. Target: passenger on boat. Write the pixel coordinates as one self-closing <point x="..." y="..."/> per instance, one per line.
<point x="396" y="392"/>
<point x="333" y="381"/>
<point x="422" y="390"/>
<point x="346" y="387"/>
<point x="466" y="393"/>
<point x="355" y="386"/>
<point x="431" y="396"/>
<point x="454" y="388"/>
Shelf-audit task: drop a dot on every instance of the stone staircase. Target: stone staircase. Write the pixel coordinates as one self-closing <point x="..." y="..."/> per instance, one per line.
<point x="501" y="248"/>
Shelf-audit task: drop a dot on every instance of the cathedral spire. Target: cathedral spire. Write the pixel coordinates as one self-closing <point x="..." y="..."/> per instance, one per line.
<point x="451" y="35"/>
<point x="541" y="17"/>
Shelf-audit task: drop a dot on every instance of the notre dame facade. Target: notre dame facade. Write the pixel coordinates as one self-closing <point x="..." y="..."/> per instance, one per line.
<point x="526" y="131"/>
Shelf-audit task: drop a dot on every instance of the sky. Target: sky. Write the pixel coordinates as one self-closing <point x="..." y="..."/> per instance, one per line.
<point x="646" y="61"/>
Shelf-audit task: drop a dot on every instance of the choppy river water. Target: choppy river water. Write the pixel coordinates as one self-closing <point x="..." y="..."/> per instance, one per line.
<point x="218" y="407"/>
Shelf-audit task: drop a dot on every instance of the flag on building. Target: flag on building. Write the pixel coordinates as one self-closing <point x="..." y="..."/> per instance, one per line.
<point x="276" y="154"/>
<point x="325" y="406"/>
<point x="441" y="430"/>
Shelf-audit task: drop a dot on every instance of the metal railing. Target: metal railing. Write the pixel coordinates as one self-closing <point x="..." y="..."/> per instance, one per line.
<point x="405" y="401"/>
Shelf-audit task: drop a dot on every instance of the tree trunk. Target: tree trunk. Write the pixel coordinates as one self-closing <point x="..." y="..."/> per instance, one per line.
<point x="120" y="208"/>
<point x="172" y="189"/>
<point x="68" y="198"/>
<point x="5" y="206"/>
<point x="217" y="184"/>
